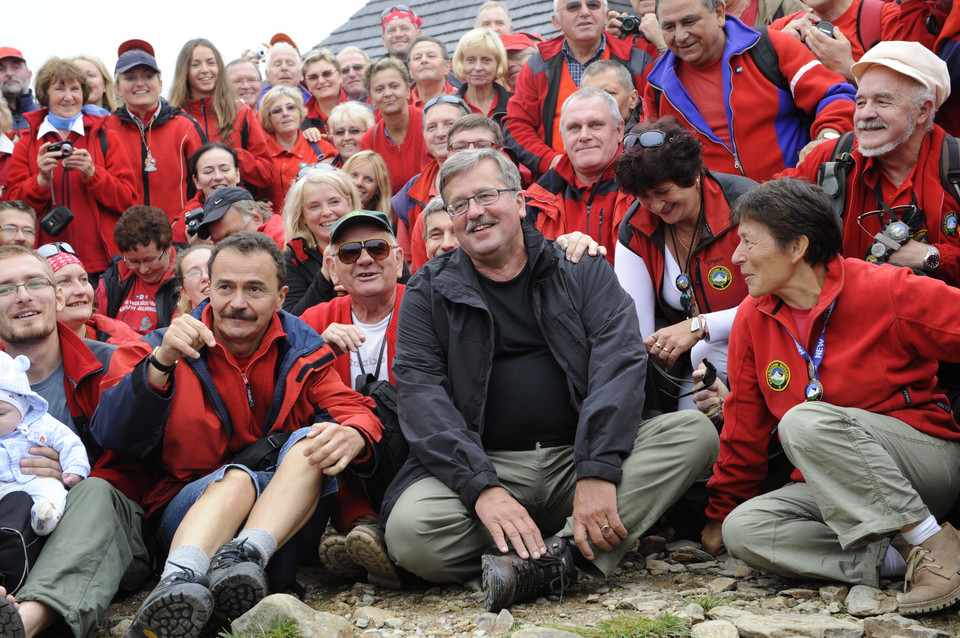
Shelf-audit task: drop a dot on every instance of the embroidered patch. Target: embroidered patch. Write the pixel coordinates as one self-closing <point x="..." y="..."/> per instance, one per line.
<point x="778" y="375"/>
<point x="719" y="277"/>
<point x="949" y="224"/>
<point x="921" y="235"/>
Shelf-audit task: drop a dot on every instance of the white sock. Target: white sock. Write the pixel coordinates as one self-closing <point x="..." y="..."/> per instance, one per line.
<point x="922" y="532"/>
<point x="186" y="557"/>
<point x="260" y="540"/>
<point x="893" y="564"/>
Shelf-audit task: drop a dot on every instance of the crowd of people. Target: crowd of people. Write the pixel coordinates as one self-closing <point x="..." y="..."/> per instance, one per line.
<point x="492" y="313"/>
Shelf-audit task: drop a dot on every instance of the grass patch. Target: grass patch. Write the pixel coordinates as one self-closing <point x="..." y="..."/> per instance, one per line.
<point x="634" y="626"/>
<point x="709" y="601"/>
<point x="279" y="628"/>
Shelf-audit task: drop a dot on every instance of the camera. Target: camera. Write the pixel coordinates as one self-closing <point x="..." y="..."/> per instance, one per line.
<point x="629" y="25"/>
<point x="193" y="219"/>
<point x="826" y="28"/>
<point x="259" y="51"/>
<point x="65" y="148"/>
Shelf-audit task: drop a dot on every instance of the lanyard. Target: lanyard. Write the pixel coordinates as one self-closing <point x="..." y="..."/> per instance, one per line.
<point x="383" y="345"/>
<point x="814" y="389"/>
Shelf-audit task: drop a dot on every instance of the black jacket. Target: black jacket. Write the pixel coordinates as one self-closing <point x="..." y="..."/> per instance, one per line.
<point x="445" y="353"/>
<point x="117" y="289"/>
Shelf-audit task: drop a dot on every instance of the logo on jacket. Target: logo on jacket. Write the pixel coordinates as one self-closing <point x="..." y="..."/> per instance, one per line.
<point x="719" y="277"/>
<point x="778" y="375"/>
<point x="949" y="224"/>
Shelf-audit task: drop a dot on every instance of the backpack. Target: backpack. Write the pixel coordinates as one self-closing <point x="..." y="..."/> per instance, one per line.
<point x="19" y="544"/>
<point x="392" y="450"/>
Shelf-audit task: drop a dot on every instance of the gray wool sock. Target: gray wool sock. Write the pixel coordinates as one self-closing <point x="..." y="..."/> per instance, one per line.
<point x="260" y="540"/>
<point x="186" y="557"/>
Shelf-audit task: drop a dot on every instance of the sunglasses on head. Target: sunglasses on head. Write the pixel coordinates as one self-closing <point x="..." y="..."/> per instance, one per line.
<point x="306" y="168"/>
<point x="348" y="252"/>
<point x="396" y="7"/>
<point x="49" y="250"/>
<point x="447" y="99"/>
<point x="647" y="139"/>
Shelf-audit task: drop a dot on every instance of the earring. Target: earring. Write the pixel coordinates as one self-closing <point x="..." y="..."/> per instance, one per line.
<point x="698" y="182"/>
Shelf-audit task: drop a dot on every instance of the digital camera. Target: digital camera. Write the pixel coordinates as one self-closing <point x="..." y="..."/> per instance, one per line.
<point x="193" y="219"/>
<point x="65" y="148"/>
<point x="629" y="25"/>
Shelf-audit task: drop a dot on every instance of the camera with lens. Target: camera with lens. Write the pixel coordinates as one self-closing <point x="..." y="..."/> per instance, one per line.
<point x="826" y="28"/>
<point x="259" y="52"/>
<point x="629" y="25"/>
<point x="193" y="219"/>
<point x="65" y="148"/>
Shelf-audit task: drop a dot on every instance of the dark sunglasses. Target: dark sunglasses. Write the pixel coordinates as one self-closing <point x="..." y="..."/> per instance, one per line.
<point x="647" y="139"/>
<point x="447" y="99"/>
<point x="49" y="250"/>
<point x="349" y="252"/>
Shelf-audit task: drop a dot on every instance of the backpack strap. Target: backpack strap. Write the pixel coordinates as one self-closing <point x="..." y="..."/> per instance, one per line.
<point x="950" y="167"/>
<point x="316" y="150"/>
<point x="868" y="23"/>
<point x="102" y="133"/>
<point x="832" y="175"/>
<point x="767" y="59"/>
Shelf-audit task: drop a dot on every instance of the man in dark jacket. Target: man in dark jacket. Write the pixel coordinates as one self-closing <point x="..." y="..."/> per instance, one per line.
<point x="520" y="381"/>
<point x="15" y="83"/>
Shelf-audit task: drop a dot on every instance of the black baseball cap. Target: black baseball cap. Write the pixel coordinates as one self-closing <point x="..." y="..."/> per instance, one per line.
<point x="374" y="218"/>
<point x="217" y="206"/>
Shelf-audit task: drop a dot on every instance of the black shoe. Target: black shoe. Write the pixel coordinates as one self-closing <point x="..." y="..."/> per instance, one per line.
<point x="508" y="578"/>
<point x="178" y="607"/>
<point x="236" y="579"/>
<point x="11" y="626"/>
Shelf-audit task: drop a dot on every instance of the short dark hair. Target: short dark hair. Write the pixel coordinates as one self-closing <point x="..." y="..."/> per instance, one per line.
<point x="23" y="207"/>
<point x="140" y="225"/>
<point x="246" y="242"/>
<point x="678" y="160"/>
<point x="203" y="150"/>
<point x="789" y="209"/>
<point x="384" y="64"/>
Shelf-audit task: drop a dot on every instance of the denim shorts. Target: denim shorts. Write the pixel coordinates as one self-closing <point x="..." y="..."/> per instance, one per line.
<point x="191" y="492"/>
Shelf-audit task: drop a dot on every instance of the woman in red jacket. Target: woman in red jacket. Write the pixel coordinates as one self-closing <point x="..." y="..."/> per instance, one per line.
<point x="675" y="247"/>
<point x="86" y="172"/>
<point x="202" y="89"/>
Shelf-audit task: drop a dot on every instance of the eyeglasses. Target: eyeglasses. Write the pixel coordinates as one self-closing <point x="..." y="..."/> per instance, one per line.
<point x="144" y="262"/>
<point x="396" y="7"/>
<point x="592" y="5"/>
<point x="326" y="75"/>
<point x="306" y="168"/>
<point x="462" y="146"/>
<point x="277" y="110"/>
<point x="31" y="286"/>
<point x="484" y="198"/>
<point x="356" y="68"/>
<point x="349" y="252"/>
<point x="10" y="229"/>
<point x="247" y="80"/>
<point x="647" y="139"/>
<point x="49" y="250"/>
<point x="447" y="99"/>
<point x="353" y="130"/>
<point x="196" y="272"/>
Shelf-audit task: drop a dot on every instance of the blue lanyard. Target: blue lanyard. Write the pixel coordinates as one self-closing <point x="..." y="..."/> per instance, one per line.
<point x="814" y="389"/>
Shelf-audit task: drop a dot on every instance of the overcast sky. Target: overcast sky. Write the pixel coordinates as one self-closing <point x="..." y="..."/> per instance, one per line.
<point x="45" y="28"/>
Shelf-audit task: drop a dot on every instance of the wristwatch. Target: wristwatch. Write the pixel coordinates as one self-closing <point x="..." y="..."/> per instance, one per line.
<point x="829" y="135"/>
<point x="931" y="260"/>
<point x="152" y="360"/>
<point x="699" y="323"/>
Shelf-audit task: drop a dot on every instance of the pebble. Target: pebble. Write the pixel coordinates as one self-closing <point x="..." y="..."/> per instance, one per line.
<point x="722" y="584"/>
<point x="869" y="601"/>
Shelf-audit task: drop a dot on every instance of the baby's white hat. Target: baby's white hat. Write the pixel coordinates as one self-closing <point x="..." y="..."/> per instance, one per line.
<point x="15" y="387"/>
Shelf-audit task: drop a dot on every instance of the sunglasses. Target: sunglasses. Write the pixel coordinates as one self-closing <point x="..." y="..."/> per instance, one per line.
<point x="396" y="7"/>
<point x="326" y="75"/>
<point x="356" y="68"/>
<point x="353" y="130"/>
<point x="647" y="139"/>
<point x="306" y="168"/>
<point x="49" y="250"/>
<point x="592" y="5"/>
<point x="277" y="110"/>
<point x="349" y="252"/>
<point x="446" y="99"/>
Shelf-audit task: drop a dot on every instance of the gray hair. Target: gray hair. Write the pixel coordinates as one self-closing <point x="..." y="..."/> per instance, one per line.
<point x="460" y="163"/>
<point x="435" y="206"/>
<point x="347" y="50"/>
<point x="246" y="208"/>
<point x="587" y="93"/>
<point x="711" y="5"/>
<point x="281" y="47"/>
<point x="624" y="77"/>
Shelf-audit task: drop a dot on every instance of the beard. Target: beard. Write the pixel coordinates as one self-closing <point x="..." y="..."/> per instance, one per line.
<point x="13" y="89"/>
<point x="28" y="336"/>
<point x="883" y="149"/>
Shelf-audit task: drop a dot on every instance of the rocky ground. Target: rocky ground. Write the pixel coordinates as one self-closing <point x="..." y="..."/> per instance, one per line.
<point x="706" y="597"/>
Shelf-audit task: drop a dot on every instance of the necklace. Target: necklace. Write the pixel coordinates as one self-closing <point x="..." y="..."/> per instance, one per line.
<point x="683" y="282"/>
<point x="149" y="161"/>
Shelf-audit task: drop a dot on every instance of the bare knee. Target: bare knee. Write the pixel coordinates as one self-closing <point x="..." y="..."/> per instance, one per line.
<point x="236" y="486"/>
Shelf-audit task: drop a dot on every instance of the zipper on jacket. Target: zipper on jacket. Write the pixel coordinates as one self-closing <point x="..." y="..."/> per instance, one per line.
<point x="702" y="305"/>
<point x="246" y="382"/>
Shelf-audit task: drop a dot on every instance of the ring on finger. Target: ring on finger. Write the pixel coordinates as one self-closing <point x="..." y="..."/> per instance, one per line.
<point x="658" y="345"/>
<point x="665" y="350"/>
<point x="606" y="529"/>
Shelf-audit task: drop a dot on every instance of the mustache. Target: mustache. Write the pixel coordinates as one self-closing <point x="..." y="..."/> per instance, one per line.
<point x="872" y="125"/>
<point x="243" y="315"/>
<point x="479" y="222"/>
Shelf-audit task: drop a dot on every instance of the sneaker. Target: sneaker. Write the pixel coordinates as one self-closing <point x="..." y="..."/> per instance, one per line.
<point x="366" y="547"/>
<point x="44" y="516"/>
<point x="335" y="559"/>
<point x="508" y="578"/>
<point x="11" y="626"/>
<point x="236" y="579"/>
<point x="178" y="607"/>
<point x="933" y="574"/>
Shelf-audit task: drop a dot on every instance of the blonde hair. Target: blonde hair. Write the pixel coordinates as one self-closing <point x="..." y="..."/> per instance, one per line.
<point x="109" y="100"/>
<point x="380" y="201"/>
<point x="317" y="55"/>
<point x="266" y="103"/>
<point x="293" y="225"/>
<point x="184" y="305"/>
<point x="483" y="40"/>
<point x="346" y="111"/>
<point x="6" y="117"/>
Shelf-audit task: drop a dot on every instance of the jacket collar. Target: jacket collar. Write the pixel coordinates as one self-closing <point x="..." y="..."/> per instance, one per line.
<point x="740" y="37"/>
<point x="78" y="360"/>
<point x="773" y="306"/>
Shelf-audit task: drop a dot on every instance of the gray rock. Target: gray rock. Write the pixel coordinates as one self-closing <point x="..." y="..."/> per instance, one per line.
<point x="834" y="593"/>
<point x="782" y="625"/>
<point x="118" y="630"/>
<point x="714" y="629"/>
<point x="362" y="623"/>
<point x="495" y="623"/>
<point x="376" y="616"/>
<point x="316" y="624"/>
<point x="774" y="602"/>
<point x="869" y="601"/>
<point x="543" y="632"/>
<point x="799" y="593"/>
<point x="722" y="584"/>
<point x="655" y="565"/>
<point x="694" y="611"/>
<point x="894" y="626"/>
<point x="677" y="568"/>
<point x="736" y="568"/>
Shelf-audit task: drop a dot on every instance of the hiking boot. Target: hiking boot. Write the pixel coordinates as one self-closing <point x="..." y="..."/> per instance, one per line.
<point x="178" y="607"/>
<point x="11" y="625"/>
<point x="366" y="547"/>
<point x="933" y="574"/>
<point x="237" y="581"/>
<point x="335" y="559"/>
<point x="508" y="578"/>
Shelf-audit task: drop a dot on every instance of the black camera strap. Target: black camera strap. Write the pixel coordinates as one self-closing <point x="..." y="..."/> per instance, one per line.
<point x="383" y="346"/>
<point x="913" y="216"/>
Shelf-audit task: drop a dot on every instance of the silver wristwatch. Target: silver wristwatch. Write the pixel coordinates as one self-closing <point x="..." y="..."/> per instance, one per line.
<point x="931" y="260"/>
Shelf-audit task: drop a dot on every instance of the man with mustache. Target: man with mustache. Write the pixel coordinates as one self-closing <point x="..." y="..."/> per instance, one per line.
<point x="206" y="393"/>
<point x="896" y="161"/>
<point x="520" y="377"/>
<point x="15" y="85"/>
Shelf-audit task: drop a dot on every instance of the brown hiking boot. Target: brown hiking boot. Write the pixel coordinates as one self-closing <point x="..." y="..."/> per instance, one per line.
<point x="933" y="574"/>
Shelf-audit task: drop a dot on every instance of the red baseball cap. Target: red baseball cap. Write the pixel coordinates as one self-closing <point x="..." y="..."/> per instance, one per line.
<point x="133" y="53"/>
<point x="10" y="52"/>
<point x="283" y="37"/>
<point x="520" y="41"/>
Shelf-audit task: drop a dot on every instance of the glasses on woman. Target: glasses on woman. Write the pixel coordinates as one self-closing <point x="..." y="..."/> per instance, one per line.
<point x="326" y="75"/>
<point x="277" y="110"/>
<point x="647" y="139"/>
<point x="353" y="130"/>
<point x="49" y="250"/>
<point x="132" y="263"/>
<point x="485" y="198"/>
<point x="349" y="252"/>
